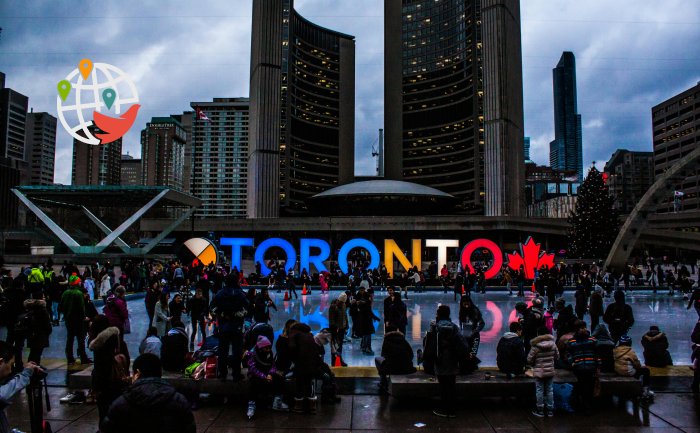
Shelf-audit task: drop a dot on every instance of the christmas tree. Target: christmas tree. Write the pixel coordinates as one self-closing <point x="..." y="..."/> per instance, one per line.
<point x="594" y="223"/>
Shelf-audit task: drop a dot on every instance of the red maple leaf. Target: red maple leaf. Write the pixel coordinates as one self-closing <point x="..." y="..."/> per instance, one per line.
<point x="530" y="258"/>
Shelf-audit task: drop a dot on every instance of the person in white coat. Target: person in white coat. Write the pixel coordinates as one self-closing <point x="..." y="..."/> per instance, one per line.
<point x="105" y="284"/>
<point x="161" y="317"/>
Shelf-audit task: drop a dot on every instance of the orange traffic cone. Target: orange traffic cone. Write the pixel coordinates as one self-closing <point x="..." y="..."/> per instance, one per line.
<point x="303" y="290"/>
<point x="286" y="295"/>
<point x="463" y="291"/>
<point x="338" y="362"/>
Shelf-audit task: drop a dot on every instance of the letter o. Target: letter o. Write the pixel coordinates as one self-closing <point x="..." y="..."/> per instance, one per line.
<point x="275" y="242"/>
<point x="355" y="243"/>
<point x="488" y="245"/>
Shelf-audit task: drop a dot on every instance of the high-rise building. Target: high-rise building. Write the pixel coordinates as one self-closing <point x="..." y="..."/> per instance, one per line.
<point x="676" y="126"/>
<point x="566" y="151"/>
<point x="163" y="153"/>
<point x="185" y="120"/>
<point x="41" y="147"/>
<point x="131" y="171"/>
<point x="9" y="203"/>
<point x="630" y="174"/>
<point x="526" y="147"/>
<point x="302" y="110"/>
<point x="13" y="119"/>
<point x="96" y="164"/>
<point x="453" y="100"/>
<point x="220" y="157"/>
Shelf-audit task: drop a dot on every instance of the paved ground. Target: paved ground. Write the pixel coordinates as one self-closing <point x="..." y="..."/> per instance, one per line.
<point x="671" y="412"/>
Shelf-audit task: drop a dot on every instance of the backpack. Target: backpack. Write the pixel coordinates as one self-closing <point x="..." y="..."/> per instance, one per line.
<point x="24" y="326"/>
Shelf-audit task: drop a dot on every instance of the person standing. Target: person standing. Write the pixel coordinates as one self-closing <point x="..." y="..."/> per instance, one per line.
<point x="73" y="308"/>
<point x="366" y="317"/>
<point x="442" y="348"/>
<point x="619" y="316"/>
<point x="595" y="307"/>
<point x="395" y="313"/>
<point x="40" y="328"/>
<point x="581" y="350"/>
<point x="230" y="305"/>
<point x="105" y="283"/>
<point x="694" y="301"/>
<point x="542" y="357"/>
<point x="161" y="315"/>
<point x="151" y="299"/>
<point x="338" y="323"/>
<point x="471" y="322"/>
<point x="116" y="311"/>
<point x="198" y="309"/>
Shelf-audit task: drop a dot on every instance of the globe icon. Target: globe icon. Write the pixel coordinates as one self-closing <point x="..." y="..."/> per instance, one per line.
<point x="86" y="97"/>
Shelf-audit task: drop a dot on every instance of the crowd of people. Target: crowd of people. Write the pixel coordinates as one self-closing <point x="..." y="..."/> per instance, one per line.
<point x="229" y="303"/>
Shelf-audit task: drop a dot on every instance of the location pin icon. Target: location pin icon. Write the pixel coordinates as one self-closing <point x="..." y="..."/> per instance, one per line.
<point x="85" y="67"/>
<point x="109" y="96"/>
<point x="63" y="89"/>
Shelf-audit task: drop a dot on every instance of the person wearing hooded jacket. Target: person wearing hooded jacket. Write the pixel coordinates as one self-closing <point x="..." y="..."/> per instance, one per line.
<point x="533" y="319"/>
<point x="396" y="356"/>
<point x="584" y="362"/>
<point x="619" y="316"/>
<point x="338" y="325"/>
<point x="565" y="317"/>
<point x="174" y="347"/>
<point x="510" y="352"/>
<point x="38" y="337"/>
<point x="264" y="377"/>
<point x="150" y="405"/>
<point x="471" y="322"/>
<point x="627" y="364"/>
<point x="655" y="346"/>
<point x="542" y="356"/>
<point x="105" y="343"/>
<point x="443" y="347"/>
<point x="395" y="311"/>
<point x="604" y="346"/>
<point x="304" y="355"/>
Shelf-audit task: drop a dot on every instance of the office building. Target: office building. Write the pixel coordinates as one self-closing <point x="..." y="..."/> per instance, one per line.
<point x="163" y="153"/>
<point x="13" y="119"/>
<point x="453" y="100"/>
<point x="629" y="176"/>
<point x="131" y="171"/>
<point x="9" y="203"/>
<point x="41" y="147"/>
<point x="676" y="132"/>
<point x="302" y="110"/>
<point x="96" y="164"/>
<point x="220" y="157"/>
<point x="566" y="151"/>
<point x="185" y="120"/>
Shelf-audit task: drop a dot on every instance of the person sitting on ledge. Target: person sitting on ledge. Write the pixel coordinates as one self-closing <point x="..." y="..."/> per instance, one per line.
<point x="655" y="346"/>
<point x="510" y="352"/>
<point x="397" y="357"/>
<point x="627" y="364"/>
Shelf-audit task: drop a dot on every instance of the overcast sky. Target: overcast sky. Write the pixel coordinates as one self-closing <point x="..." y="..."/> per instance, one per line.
<point x="631" y="55"/>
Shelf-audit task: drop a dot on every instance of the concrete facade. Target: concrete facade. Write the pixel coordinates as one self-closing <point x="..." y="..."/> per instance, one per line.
<point x="504" y="165"/>
<point x="163" y="153"/>
<point x="630" y="174"/>
<point x="439" y="56"/>
<point x="302" y="110"/>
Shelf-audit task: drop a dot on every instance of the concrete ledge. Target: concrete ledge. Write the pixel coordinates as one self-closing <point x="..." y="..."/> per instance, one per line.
<point x="487" y="383"/>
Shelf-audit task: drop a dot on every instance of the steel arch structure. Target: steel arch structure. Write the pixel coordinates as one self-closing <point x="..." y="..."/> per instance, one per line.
<point x="637" y="220"/>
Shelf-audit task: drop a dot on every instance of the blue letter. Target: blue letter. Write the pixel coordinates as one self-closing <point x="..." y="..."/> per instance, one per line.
<point x="305" y="246"/>
<point x="236" y="245"/>
<point x="275" y="242"/>
<point x="354" y="243"/>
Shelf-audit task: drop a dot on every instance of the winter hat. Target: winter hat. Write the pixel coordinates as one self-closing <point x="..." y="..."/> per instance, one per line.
<point x="654" y="328"/>
<point x="343" y="297"/>
<point x="625" y="340"/>
<point x="74" y="280"/>
<point x="262" y="342"/>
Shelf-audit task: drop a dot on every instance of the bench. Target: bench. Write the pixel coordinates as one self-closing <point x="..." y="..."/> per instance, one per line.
<point x="489" y="382"/>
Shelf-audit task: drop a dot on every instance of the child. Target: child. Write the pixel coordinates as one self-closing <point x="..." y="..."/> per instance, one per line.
<point x="627" y="364"/>
<point x="542" y="356"/>
<point x="12" y="387"/>
<point x="263" y="377"/>
<point x="510" y="352"/>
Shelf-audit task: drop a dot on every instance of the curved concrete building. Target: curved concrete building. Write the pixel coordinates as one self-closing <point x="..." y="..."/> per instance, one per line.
<point x="302" y="103"/>
<point x="453" y="117"/>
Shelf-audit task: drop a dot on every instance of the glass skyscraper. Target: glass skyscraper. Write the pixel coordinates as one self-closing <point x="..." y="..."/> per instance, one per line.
<point x="566" y="151"/>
